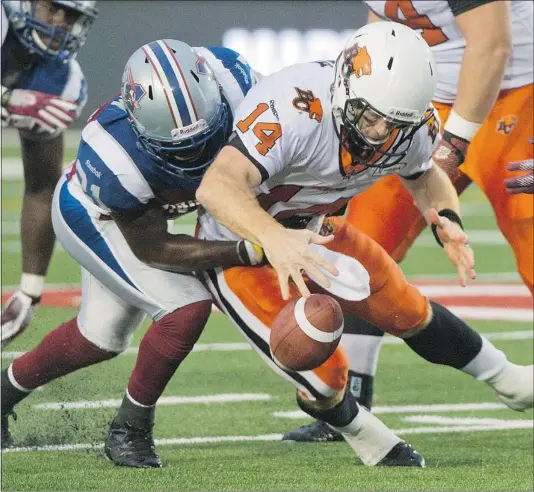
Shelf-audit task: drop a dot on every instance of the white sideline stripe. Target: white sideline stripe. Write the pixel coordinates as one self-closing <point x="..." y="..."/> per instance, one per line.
<point x="436" y="419"/>
<point x="519" y="424"/>
<point x="491" y="290"/>
<point x="439" y="407"/>
<point x="489" y="313"/>
<point x="238" y="347"/>
<point x="165" y="400"/>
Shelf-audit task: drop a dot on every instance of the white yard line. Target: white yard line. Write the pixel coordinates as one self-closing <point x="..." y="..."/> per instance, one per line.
<point x="164" y="400"/>
<point x="437" y="419"/>
<point x="437" y="407"/>
<point x="506" y="425"/>
<point x="239" y="347"/>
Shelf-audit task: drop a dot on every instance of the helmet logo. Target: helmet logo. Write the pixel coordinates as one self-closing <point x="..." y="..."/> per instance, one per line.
<point x="202" y="67"/>
<point x="307" y="102"/>
<point x="133" y="92"/>
<point x="357" y="60"/>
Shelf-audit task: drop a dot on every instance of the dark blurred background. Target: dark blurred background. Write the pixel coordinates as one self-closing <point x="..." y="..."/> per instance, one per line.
<point x="270" y="34"/>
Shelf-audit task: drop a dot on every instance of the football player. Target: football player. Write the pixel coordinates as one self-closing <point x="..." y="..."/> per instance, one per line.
<point x="140" y="160"/>
<point x="307" y="139"/>
<point x="484" y="97"/>
<point x="43" y="92"/>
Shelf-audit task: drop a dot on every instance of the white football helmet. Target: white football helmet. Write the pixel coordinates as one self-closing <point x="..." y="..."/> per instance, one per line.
<point x="385" y="73"/>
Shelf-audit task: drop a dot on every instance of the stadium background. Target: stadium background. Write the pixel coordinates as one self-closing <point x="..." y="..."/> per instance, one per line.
<point x="123" y="27"/>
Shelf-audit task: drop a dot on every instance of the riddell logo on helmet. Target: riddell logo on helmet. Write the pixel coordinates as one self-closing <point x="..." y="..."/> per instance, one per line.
<point x="358" y="60"/>
<point x="187" y="130"/>
<point x="404" y="114"/>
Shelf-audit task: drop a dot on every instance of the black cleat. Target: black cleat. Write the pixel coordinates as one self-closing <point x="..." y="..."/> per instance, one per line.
<point x="402" y="454"/>
<point x="317" y="431"/>
<point x="130" y="446"/>
<point x="7" y="438"/>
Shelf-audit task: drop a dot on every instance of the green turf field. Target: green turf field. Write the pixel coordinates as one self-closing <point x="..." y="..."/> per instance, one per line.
<point x="219" y="424"/>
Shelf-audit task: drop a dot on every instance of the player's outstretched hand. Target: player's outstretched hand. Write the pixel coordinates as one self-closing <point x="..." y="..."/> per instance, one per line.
<point x="456" y="245"/>
<point x="289" y="254"/>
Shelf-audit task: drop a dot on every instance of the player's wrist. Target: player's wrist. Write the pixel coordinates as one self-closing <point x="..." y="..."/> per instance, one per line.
<point x="249" y="254"/>
<point x="460" y="127"/>
<point x="452" y="216"/>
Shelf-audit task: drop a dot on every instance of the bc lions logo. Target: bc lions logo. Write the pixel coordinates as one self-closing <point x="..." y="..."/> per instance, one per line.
<point x="133" y="92"/>
<point x="307" y="102"/>
<point x="506" y="124"/>
<point x="358" y="60"/>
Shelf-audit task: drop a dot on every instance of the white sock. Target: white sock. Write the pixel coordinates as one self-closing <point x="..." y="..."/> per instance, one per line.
<point x="362" y="352"/>
<point x="136" y="402"/>
<point x="369" y="437"/>
<point x="32" y="285"/>
<point x="488" y="363"/>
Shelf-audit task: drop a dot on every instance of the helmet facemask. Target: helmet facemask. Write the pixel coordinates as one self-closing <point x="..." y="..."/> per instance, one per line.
<point x="367" y="135"/>
<point x="188" y="158"/>
<point x="49" y="40"/>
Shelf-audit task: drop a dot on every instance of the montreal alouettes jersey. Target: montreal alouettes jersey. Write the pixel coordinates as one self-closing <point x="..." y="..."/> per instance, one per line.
<point x="64" y="79"/>
<point x="111" y="174"/>
<point x="285" y="125"/>
<point x="435" y="20"/>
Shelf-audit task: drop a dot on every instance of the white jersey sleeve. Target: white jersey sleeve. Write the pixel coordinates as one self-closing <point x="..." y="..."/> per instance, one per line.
<point x="269" y="126"/>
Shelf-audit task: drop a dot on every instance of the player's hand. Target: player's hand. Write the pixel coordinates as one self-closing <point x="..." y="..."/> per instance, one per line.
<point x="455" y="244"/>
<point x="450" y="153"/>
<point x="30" y="110"/>
<point x="523" y="183"/>
<point x="289" y="254"/>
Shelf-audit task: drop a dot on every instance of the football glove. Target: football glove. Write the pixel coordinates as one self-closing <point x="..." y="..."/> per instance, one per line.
<point x="523" y="183"/>
<point x="29" y="110"/>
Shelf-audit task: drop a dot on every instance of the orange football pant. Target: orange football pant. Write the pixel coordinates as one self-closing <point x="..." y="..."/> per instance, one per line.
<point x="394" y="305"/>
<point x="387" y="213"/>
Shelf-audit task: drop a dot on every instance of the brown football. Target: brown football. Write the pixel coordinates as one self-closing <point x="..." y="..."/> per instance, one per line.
<point x="306" y="332"/>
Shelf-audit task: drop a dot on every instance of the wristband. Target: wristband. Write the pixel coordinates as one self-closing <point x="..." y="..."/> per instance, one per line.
<point x="460" y="127"/>
<point x="452" y="216"/>
<point x="250" y="254"/>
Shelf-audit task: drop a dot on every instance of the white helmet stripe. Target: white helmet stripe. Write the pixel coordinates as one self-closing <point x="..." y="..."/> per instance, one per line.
<point x="181" y="79"/>
<point x="165" y="84"/>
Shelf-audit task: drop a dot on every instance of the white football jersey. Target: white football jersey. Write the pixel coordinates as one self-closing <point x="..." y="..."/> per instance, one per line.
<point x="435" y="20"/>
<point x="286" y="125"/>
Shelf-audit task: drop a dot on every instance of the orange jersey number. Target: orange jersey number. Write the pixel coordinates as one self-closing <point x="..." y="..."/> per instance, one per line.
<point x="431" y="34"/>
<point x="267" y="133"/>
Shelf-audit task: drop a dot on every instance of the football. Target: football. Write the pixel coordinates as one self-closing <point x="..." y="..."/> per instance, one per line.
<point x="306" y="332"/>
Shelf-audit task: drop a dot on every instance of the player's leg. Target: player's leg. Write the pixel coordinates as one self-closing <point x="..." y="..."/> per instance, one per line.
<point x="42" y="162"/>
<point x="505" y="137"/>
<point x="178" y="305"/>
<point x="251" y="298"/>
<point x="102" y="329"/>
<point x="430" y="329"/>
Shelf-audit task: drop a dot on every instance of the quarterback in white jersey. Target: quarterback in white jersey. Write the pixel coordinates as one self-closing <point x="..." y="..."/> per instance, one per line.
<point x="307" y="139"/>
<point x="485" y="100"/>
